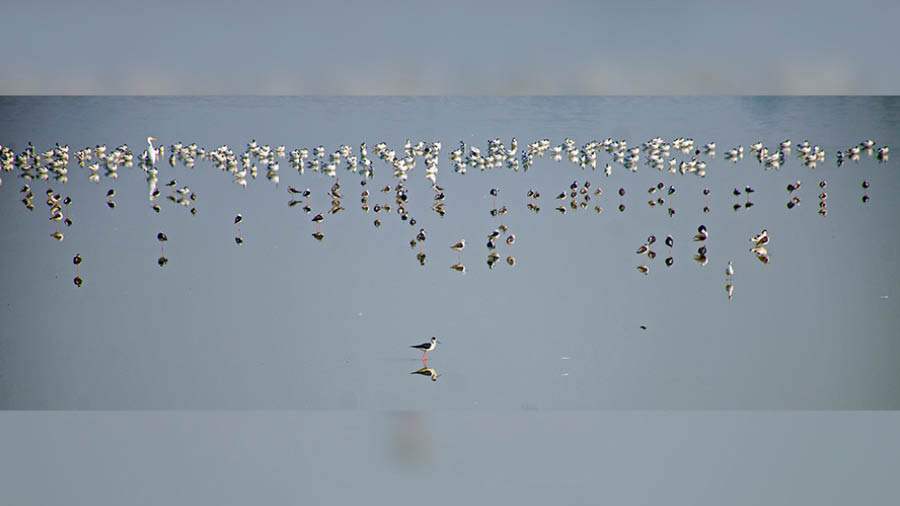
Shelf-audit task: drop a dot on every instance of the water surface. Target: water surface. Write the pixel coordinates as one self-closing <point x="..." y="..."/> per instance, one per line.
<point x="287" y="322"/>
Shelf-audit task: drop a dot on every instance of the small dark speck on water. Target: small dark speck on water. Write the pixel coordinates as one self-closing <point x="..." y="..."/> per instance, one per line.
<point x="643" y="327"/>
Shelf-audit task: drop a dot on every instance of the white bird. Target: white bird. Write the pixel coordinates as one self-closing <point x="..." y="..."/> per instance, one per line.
<point x="729" y="271"/>
<point x="151" y="150"/>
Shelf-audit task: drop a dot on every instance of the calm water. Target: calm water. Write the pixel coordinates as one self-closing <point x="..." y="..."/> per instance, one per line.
<point x="285" y="321"/>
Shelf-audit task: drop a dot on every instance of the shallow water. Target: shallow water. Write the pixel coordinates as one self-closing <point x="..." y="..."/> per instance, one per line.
<point x="284" y="321"/>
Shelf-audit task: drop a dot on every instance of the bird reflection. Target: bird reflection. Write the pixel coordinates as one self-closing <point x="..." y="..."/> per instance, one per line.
<point x="427" y="371"/>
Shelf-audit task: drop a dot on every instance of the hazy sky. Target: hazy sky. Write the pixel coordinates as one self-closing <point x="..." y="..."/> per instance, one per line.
<point x="405" y="47"/>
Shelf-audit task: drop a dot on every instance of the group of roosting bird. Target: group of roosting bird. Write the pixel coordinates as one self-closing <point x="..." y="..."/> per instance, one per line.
<point x="656" y="154"/>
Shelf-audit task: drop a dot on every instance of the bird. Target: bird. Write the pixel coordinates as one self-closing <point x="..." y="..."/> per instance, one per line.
<point x="643" y="269"/>
<point x="760" y="238"/>
<point x="77" y="259"/>
<point x="151" y="150"/>
<point x="428" y="371"/>
<point x="511" y="239"/>
<point x="78" y="281"/>
<point x="729" y="289"/>
<point x="729" y="270"/>
<point x="669" y="241"/>
<point x="426" y="347"/>
<point x="238" y="219"/>
<point x="458" y="247"/>
<point x="702" y="234"/>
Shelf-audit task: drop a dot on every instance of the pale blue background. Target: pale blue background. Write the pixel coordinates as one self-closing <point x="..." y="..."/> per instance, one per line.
<point x="287" y="322"/>
<point x="466" y="47"/>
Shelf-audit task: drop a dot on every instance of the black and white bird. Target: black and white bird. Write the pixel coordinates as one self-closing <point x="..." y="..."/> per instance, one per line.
<point x="426" y="347"/>
<point x="702" y="234"/>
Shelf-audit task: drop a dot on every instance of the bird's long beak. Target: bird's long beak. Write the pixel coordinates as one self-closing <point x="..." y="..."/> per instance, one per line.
<point x="153" y="139"/>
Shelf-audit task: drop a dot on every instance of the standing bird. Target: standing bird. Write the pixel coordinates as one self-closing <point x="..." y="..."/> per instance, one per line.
<point x="237" y="221"/>
<point x="458" y="247"/>
<point x="151" y="151"/>
<point x="318" y="219"/>
<point x="702" y="234"/>
<point x="161" y="237"/>
<point x="426" y="347"/>
<point x="760" y="238"/>
<point x="77" y="262"/>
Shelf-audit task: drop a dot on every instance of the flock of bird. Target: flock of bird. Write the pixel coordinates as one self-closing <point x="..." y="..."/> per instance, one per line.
<point x="679" y="156"/>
